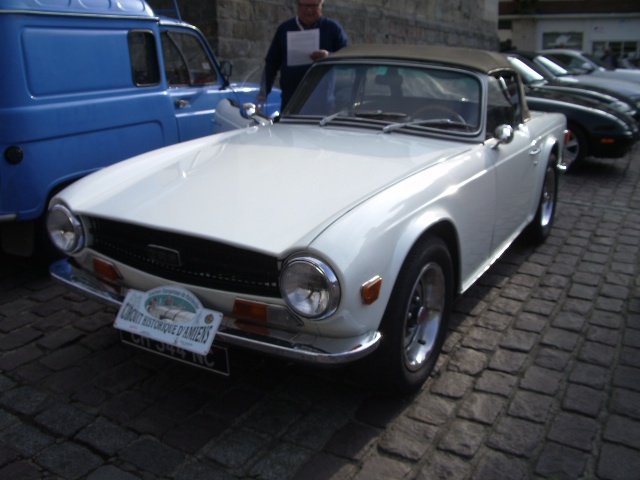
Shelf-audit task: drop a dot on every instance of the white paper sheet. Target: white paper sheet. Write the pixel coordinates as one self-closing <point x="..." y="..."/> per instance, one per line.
<point x="300" y="45"/>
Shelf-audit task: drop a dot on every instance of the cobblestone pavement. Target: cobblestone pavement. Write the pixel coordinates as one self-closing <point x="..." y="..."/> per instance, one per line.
<point x="540" y="378"/>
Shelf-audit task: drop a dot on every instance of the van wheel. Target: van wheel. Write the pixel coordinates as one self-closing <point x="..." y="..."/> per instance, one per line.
<point x="415" y="321"/>
<point x="540" y="228"/>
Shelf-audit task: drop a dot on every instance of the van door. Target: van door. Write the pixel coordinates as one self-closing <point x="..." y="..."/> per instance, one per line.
<point x="195" y="86"/>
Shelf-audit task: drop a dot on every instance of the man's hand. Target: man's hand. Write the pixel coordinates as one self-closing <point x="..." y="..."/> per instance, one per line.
<point x="318" y="54"/>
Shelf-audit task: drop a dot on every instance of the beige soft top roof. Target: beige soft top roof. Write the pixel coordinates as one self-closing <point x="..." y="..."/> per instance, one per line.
<point x="479" y="60"/>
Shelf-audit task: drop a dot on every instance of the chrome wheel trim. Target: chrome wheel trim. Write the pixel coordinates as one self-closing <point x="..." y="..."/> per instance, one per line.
<point x="423" y="316"/>
<point x="548" y="197"/>
<point x="571" y="147"/>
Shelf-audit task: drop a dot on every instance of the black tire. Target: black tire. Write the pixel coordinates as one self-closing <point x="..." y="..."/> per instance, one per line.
<point x="576" y="144"/>
<point x="415" y="321"/>
<point x="540" y="228"/>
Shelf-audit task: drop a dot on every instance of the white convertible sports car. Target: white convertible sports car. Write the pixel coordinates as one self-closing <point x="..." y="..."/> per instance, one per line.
<point x="394" y="178"/>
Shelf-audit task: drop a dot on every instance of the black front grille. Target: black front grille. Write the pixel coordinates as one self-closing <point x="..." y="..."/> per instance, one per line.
<point x="201" y="262"/>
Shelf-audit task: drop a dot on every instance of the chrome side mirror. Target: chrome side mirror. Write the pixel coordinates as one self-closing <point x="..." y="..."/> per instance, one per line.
<point x="504" y="134"/>
<point x="248" y="110"/>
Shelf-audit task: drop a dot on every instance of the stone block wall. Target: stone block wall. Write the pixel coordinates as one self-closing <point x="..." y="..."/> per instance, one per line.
<point x="241" y="30"/>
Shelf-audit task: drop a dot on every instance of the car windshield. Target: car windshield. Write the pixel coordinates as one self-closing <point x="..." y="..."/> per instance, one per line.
<point x="527" y="72"/>
<point x="553" y="67"/>
<point x="423" y="98"/>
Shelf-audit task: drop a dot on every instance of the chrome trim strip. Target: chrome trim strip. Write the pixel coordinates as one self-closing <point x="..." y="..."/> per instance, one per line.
<point x="62" y="271"/>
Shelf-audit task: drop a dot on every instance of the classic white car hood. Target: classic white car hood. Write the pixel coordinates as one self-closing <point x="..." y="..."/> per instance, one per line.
<point x="269" y="188"/>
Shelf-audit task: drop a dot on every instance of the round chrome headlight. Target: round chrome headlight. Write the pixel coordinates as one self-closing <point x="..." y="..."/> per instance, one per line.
<point x="310" y="287"/>
<point x="65" y="230"/>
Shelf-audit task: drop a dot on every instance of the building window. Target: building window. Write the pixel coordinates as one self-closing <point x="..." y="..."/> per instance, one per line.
<point x="572" y="40"/>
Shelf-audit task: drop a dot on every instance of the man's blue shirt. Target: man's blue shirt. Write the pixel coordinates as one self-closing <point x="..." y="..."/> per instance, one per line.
<point x="332" y="39"/>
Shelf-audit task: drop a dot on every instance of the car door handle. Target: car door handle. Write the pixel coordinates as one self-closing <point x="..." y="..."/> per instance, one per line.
<point x="535" y="151"/>
<point x="181" y="103"/>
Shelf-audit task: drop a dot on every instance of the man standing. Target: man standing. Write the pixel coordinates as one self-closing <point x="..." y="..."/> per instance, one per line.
<point x="298" y="43"/>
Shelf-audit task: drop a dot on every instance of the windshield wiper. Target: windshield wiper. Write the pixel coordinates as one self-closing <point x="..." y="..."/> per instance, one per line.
<point x="327" y="119"/>
<point x="375" y="114"/>
<point x="434" y="121"/>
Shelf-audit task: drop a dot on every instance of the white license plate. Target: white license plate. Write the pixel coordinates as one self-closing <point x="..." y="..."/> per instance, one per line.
<point x="217" y="360"/>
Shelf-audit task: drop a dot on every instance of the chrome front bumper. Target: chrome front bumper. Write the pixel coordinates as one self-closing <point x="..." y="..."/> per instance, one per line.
<point x="283" y="344"/>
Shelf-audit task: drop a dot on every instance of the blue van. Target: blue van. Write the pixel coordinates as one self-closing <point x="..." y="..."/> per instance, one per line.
<point x="87" y="83"/>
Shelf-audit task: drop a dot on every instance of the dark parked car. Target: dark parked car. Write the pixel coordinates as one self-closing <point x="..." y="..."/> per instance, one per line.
<point x="566" y="76"/>
<point x="535" y="75"/>
<point x="594" y="127"/>
<point x="590" y="64"/>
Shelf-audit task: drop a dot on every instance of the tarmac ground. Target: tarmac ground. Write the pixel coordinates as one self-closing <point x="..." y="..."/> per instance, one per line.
<point x="539" y="378"/>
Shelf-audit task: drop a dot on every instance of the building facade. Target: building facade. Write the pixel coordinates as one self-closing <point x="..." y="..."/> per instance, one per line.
<point x="241" y="30"/>
<point x="590" y="25"/>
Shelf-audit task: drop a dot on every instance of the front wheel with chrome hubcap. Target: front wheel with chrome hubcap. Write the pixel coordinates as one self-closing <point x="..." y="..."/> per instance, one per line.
<point x="414" y="324"/>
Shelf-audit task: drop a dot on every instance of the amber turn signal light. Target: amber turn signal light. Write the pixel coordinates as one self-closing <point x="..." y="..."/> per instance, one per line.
<point x="371" y="290"/>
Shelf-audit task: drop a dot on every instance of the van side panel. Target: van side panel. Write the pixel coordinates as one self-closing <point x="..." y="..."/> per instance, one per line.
<point x="48" y="50"/>
<point x="70" y="104"/>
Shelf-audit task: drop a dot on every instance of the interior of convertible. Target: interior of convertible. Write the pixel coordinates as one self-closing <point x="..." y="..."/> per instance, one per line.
<point x="392" y="93"/>
<point x="419" y="97"/>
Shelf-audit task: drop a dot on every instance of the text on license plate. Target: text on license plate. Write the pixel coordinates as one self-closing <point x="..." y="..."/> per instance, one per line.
<point x="216" y="361"/>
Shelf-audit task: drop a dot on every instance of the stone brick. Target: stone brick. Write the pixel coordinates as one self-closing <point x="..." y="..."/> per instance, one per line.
<point x="18" y="338"/>
<point x="68" y="460"/>
<point x="280" y="462"/>
<point x="481" y="339"/>
<point x="569" y="321"/>
<point x="60" y="338"/>
<point x="152" y="456"/>
<point x="237" y="448"/>
<point x="194" y="432"/>
<point x="380" y="468"/>
<point x="452" y="384"/>
<point x="558" y="461"/>
<point x="625" y="402"/>
<point x="541" y="380"/>
<point x="407" y="439"/>
<point x="560" y="338"/>
<point x="432" y="409"/>
<point x="531" y="406"/>
<point x="507" y="361"/>
<point x="623" y="430"/>
<point x="106" y="437"/>
<point x="315" y="429"/>
<point x="627" y="377"/>
<point x="590" y="375"/>
<point x="553" y="359"/>
<point x="497" y="465"/>
<point x="516" y="437"/>
<point x="531" y="323"/>
<point x="65" y="357"/>
<point x="618" y="462"/>
<point x="583" y="400"/>
<point x="463" y="438"/>
<point x="379" y="411"/>
<point x="352" y="441"/>
<point x="496" y="382"/>
<point x="63" y="419"/>
<point x="597" y="353"/>
<point x="21" y="470"/>
<point x="467" y="361"/>
<point x="482" y="408"/>
<point x="109" y="472"/>
<point x="442" y="465"/>
<point x="574" y="431"/>
<point x="25" y="439"/>
<point x="323" y="466"/>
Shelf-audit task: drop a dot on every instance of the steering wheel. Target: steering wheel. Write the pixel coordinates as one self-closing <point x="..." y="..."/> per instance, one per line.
<point x="438" y="111"/>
